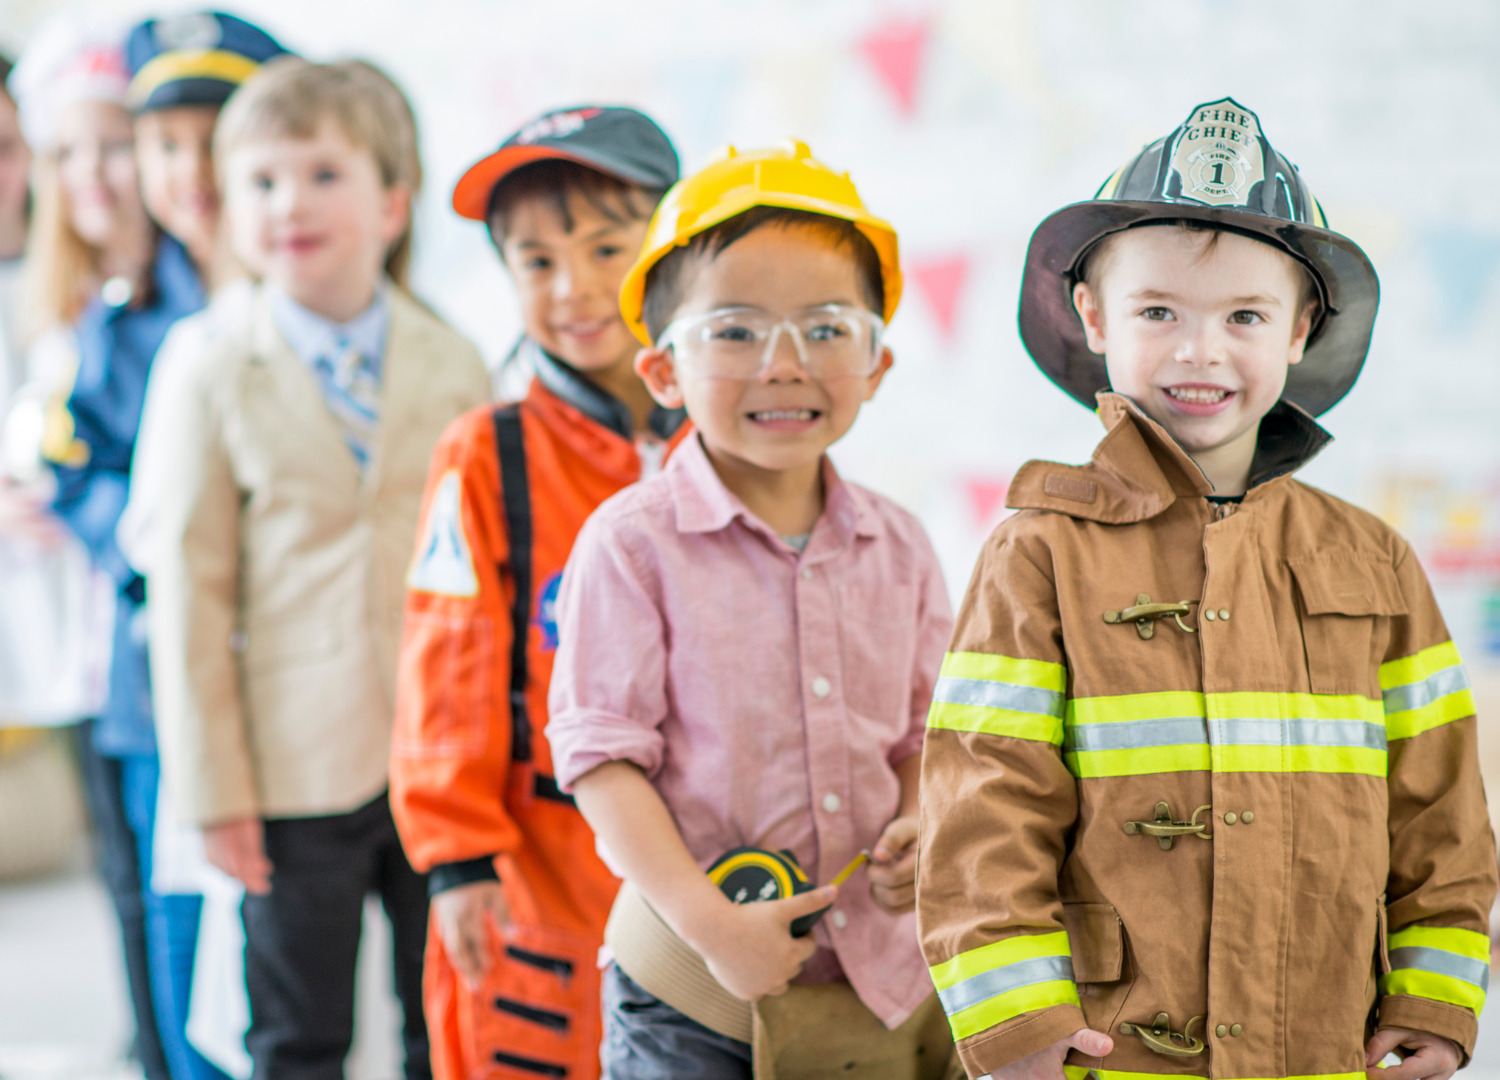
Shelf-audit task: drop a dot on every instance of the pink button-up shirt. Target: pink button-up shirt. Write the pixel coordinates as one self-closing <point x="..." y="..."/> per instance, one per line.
<point x="768" y="695"/>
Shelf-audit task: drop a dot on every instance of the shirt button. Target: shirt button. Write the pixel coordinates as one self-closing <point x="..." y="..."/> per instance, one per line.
<point x="831" y="802"/>
<point x="1248" y="816"/>
<point x="821" y="687"/>
<point x="839" y="920"/>
<point x="1221" y="1031"/>
<point x="1224" y="614"/>
<point x="1209" y="615"/>
<point x="1234" y="1030"/>
<point x="807" y="573"/>
<point x="1230" y="818"/>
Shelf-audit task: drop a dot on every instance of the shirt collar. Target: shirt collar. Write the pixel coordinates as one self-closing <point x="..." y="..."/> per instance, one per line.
<point x="704" y="505"/>
<point x="598" y="405"/>
<point x="313" y="337"/>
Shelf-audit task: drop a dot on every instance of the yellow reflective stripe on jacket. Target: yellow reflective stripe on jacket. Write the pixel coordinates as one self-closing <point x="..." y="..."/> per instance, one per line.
<point x="1000" y="695"/>
<point x="1440" y="964"/>
<point x="1425" y="690"/>
<point x="1136" y="734"/>
<point x="995" y="982"/>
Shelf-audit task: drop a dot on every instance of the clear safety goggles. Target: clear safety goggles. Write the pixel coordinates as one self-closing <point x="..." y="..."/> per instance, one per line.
<point x="739" y="343"/>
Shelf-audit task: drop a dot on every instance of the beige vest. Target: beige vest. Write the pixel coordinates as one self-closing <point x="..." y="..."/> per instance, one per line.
<point x="277" y="570"/>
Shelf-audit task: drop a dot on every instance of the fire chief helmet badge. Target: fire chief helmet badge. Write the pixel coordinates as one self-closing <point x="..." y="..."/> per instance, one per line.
<point x="1217" y="168"/>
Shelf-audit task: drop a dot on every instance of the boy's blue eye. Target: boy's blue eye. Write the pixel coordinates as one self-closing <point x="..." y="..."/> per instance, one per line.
<point x="537" y="263"/>
<point x="325" y="175"/>
<point x="1156" y="314"/>
<point x="261" y="183"/>
<point x="737" y="335"/>
<point x="608" y="251"/>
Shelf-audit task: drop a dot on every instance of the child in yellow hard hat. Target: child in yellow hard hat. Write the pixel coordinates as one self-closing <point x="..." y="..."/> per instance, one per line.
<point x="745" y="643"/>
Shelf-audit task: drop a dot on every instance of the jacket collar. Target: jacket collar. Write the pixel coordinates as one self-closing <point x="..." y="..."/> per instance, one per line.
<point x="603" y="408"/>
<point x="1138" y="469"/>
<point x="704" y="505"/>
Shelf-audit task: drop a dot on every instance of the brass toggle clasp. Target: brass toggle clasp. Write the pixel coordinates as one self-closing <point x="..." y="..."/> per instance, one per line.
<point x="1166" y="830"/>
<point x="1160" y="1037"/>
<point x="1144" y="614"/>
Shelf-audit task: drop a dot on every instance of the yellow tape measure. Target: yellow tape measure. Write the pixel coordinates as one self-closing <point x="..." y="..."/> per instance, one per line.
<point x="747" y="875"/>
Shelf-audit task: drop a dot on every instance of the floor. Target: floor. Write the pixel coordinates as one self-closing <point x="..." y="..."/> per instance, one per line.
<point x="63" y="1012"/>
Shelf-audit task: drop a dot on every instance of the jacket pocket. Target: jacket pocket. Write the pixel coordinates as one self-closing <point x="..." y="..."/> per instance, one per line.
<point x="1097" y="939"/>
<point x="537" y="1013"/>
<point x="1347" y="601"/>
<point x="1382" y="936"/>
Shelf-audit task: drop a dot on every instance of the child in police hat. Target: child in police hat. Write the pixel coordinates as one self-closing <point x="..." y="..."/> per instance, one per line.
<point x="747" y="643"/>
<point x="519" y="896"/>
<point x="183" y="69"/>
<point x="1200" y="788"/>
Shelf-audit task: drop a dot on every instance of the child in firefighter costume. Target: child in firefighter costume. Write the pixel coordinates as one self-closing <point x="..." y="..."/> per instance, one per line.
<point x="520" y="897"/>
<point x="1200" y="789"/>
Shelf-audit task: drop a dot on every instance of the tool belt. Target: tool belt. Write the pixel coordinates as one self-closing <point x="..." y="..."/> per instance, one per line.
<point x="651" y="953"/>
<point x="807" y="1032"/>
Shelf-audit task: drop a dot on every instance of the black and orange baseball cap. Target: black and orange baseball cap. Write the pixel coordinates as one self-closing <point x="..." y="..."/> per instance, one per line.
<point x="613" y="139"/>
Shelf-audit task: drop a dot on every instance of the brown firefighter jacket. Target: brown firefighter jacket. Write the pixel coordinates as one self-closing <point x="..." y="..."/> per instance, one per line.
<point x="1302" y="715"/>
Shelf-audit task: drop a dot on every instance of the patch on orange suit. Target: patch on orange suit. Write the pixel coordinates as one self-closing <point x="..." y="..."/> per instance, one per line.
<point x="444" y="564"/>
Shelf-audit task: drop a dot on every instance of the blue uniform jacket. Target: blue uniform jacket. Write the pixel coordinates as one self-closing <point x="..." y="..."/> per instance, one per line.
<point x="115" y="349"/>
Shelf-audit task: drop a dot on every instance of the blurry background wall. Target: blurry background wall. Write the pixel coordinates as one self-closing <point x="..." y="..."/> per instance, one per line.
<point x="965" y="122"/>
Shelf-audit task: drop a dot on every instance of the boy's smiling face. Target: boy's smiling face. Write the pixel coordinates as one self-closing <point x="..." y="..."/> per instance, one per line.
<point x="784" y="419"/>
<point x="1199" y="329"/>
<point x="567" y="273"/>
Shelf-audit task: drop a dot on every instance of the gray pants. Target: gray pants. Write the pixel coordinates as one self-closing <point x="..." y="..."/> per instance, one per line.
<point x="647" y="1039"/>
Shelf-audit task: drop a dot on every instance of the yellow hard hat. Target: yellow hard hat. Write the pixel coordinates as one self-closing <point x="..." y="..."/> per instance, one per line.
<point x="788" y="177"/>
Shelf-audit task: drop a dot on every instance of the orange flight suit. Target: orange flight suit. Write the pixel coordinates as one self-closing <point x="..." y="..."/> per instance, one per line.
<point x="472" y="786"/>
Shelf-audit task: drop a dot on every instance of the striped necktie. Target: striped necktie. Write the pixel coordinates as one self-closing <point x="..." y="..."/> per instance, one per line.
<point x="351" y="390"/>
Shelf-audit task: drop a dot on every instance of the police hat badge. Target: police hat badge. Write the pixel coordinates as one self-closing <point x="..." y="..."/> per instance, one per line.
<point x="1217" y="167"/>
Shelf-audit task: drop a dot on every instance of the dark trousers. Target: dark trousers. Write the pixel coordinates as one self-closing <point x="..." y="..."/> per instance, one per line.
<point x="118" y="864"/>
<point x="301" y="941"/>
<point x="647" y="1039"/>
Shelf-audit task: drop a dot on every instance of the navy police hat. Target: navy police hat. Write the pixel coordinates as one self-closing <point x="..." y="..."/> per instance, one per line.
<point x="1217" y="168"/>
<point x="193" y="59"/>
<point x="614" y="140"/>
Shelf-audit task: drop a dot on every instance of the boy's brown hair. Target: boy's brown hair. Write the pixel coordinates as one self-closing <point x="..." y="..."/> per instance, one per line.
<point x="557" y="182"/>
<point x="290" y="98"/>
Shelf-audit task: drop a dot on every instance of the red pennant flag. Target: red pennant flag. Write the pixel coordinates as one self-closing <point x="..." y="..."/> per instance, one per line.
<point x="986" y="496"/>
<point x="941" y="282"/>
<point x="895" y="50"/>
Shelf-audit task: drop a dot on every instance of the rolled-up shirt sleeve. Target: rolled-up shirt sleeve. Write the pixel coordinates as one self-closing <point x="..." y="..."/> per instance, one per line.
<point x="608" y="697"/>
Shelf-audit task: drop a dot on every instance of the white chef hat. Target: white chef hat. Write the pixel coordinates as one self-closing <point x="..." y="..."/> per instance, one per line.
<point x="77" y="56"/>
